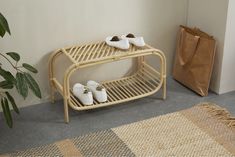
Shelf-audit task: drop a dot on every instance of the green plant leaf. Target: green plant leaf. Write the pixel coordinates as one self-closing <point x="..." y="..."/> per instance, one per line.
<point x="21" y="84"/>
<point x="6" y="85"/>
<point x="6" y="112"/>
<point x="14" y="56"/>
<point x="7" y="75"/>
<point x="32" y="84"/>
<point x="4" y="25"/>
<point x="2" y="31"/>
<point x="30" y="68"/>
<point x="12" y="101"/>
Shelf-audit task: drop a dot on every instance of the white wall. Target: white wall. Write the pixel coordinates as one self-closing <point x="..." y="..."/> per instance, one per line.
<point x="228" y="72"/>
<point x="41" y="26"/>
<point x="211" y="17"/>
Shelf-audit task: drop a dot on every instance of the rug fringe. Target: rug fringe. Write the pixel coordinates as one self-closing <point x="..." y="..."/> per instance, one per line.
<point x="220" y="113"/>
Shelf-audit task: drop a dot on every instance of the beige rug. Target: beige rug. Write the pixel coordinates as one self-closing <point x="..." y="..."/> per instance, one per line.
<point x="204" y="130"/>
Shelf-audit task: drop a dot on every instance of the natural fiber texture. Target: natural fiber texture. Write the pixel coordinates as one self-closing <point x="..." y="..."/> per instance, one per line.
<point x="144" y="81"/>
<point x="215" y="121"/>
<point x="222" y="114"/>
<point x="204" y="130"/>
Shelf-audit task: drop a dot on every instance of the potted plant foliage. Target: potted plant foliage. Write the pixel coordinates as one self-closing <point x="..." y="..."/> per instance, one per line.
<point x="19" y="78"/>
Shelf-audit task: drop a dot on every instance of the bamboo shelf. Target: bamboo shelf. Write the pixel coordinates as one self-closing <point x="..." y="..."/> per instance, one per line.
<point x="144" y="82"/>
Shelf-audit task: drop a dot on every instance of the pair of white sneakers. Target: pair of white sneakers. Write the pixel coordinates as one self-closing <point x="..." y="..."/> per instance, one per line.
<point x="85" y="93"/>
<point x="124" y="41"/>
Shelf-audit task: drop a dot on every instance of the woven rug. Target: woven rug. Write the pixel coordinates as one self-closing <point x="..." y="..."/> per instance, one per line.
<point x="203" y="130"/>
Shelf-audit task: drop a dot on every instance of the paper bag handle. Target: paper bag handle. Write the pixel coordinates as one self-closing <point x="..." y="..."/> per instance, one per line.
<point x="192" y="50"/>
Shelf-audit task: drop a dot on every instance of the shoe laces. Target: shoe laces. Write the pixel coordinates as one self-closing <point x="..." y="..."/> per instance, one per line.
<point x="99" y="88"/>
<point x="86" y="90"/>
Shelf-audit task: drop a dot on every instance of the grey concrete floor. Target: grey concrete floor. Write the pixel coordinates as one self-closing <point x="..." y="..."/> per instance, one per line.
<point x="43" y="124"/>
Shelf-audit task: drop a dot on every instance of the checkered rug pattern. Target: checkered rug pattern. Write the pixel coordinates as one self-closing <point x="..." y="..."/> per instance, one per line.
<point x="203" y="130"/>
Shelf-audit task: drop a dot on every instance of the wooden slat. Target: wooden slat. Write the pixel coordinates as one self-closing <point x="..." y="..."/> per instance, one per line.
<point x="150" y="76"/>
<point x="95" y="102"/>
<point x="151" y="69"/>
<point x="116" y="91"/>
<point x="100" y="50"/>
<point x="69" y="52"/>
<point x="113" y="51"/>
<point x="91" y="51"/>
<point x="147" y="81"/>
<point x="153" y="74"/>
<point x="143" y="86"/>
<point x="110" y="91"/>
<point x="87" y="51"/>
<point x="79" y="58"/>
<point x="139" y="88"/>
<point x="132" y="86"/>
<point x="107" y="51"/>
<point x="75" y="101"/>
<point x="110" y="96"/>
<point x="74" y="51"/>
<point x="141" y="81"/>
<point x="116" y="86"/>
<point x="103" y="51"/>
<point x="124" y="89"/>
<point x="122" y="84"/>
<point x="94" y="51"/>
<point x="126" y="84"/>
<point x="77" y="52"/>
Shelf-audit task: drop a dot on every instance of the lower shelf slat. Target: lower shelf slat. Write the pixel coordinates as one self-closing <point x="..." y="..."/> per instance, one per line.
<point x="141" y="84"/>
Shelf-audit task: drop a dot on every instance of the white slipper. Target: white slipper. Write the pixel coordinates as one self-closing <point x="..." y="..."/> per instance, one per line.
<point x="83" y="94"/>
<point x="118" y="43"/>
<point x="99" y="92"/>
<point x="137" y="41"/>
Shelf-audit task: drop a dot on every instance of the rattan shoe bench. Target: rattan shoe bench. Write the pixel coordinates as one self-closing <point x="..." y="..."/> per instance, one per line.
<point x="144" y="82"/>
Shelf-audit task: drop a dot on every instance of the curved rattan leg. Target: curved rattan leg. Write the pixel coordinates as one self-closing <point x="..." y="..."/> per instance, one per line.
<point x="66" y="96"/>
<point x="164" y="88"/>
<point x="51" y="74"/>
<point x="66" y="91"/>
<point x="66" y="111"/>
<point x="163" y="72"/>
<point x="164" y="77"/>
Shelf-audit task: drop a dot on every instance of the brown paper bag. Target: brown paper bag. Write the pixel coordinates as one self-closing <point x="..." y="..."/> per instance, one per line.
<point x="194" y="59"/>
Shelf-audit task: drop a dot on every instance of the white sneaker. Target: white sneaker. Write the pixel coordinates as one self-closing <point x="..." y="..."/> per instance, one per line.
<point x="99" y="92"/>
<point x="137" y="41"/>
<point x="118" y="43"/>
<point x="83" y="94"/>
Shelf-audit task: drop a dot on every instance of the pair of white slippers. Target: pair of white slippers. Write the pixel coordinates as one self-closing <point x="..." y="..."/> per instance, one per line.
<point x="85" y="93"/>
<point x="124" y="41"/>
